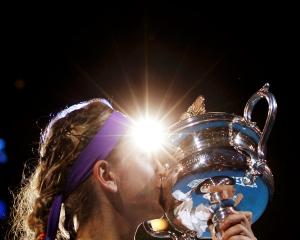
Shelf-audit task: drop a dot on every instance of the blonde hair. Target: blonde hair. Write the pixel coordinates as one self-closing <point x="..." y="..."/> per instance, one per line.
<point x="60" y="144"/>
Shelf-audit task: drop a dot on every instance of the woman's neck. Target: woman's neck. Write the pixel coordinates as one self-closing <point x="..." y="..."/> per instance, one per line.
<point x="106" y="224"/>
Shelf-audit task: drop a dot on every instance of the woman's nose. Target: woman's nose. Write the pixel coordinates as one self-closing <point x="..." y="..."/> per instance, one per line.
<point x="161" y="173"/>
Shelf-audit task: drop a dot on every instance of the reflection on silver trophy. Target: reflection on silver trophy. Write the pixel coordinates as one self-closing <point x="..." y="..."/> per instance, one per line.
<point x="220" y="167"/>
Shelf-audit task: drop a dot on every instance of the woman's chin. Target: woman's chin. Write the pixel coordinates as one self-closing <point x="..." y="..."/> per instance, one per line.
<point x="153" y="212"/>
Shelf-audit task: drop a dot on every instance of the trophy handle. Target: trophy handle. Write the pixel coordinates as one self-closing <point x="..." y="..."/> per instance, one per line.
<point x="162" y="234"/>
<point x="166" y="232"/>
<point x="262" y="93"/>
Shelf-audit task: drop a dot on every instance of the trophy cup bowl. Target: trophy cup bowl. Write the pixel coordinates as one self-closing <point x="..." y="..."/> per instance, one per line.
<point x="220" y="167"/>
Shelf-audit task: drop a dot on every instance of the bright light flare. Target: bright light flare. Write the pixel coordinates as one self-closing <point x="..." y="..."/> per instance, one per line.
<point x="149" y="134"/>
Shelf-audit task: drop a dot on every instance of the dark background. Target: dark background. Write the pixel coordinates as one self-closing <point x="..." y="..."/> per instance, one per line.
<point x="54" y="56"/>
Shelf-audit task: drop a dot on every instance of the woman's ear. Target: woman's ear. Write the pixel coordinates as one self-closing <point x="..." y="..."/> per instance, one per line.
<point x="105" y="176"/>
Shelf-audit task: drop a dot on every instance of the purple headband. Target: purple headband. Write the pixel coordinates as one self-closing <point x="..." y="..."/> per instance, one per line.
<point x="99" y="148"/>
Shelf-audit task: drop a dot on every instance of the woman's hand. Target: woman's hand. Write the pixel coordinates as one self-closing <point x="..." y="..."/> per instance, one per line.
<point x="237" y="226"/>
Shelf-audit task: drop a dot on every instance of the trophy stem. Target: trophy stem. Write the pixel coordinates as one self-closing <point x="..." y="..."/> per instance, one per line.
<point x="218" y="217"/>
<point x="221" y="195"/>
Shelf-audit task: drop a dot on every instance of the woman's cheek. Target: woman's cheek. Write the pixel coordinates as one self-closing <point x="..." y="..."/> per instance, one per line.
<point x="144" y="171"/>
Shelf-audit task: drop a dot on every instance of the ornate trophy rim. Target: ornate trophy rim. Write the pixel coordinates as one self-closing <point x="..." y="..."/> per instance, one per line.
<point x="211" y="116"/>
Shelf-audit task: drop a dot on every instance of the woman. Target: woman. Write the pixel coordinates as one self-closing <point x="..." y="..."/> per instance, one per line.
<point x="90" y="181"/>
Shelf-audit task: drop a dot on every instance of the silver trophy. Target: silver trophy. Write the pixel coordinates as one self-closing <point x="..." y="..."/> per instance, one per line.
<point x="220" y="167"/>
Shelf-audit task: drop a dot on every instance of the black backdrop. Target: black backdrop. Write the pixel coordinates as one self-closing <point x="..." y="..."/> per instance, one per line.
<point x="55" y="56"/>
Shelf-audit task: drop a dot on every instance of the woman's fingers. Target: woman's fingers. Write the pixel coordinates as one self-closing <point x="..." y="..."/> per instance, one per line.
<point x="248" y="215"/>
<point x="234" y="219"/>
<point x="239" y="238"/>
<point x="237" y="226"/>
<point x="238" y="229"/>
